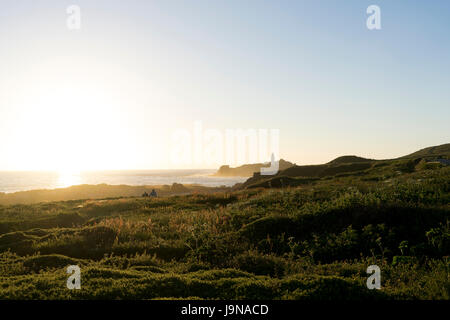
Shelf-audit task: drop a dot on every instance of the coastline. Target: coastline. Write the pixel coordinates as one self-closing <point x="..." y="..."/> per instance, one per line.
<point x="101" y="191"/>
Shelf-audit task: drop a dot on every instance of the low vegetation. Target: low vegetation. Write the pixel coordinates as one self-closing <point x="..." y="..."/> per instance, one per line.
<point x="310" y="240"/>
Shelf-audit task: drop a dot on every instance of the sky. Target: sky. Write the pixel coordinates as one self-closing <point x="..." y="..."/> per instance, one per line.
<point x="111" y="94"/>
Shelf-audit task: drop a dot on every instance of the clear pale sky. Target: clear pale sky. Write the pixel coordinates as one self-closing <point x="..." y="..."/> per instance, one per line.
<point x="109" y="96"/>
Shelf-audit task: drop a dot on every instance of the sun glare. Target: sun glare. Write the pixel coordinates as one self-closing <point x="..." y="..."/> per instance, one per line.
<point x="69" y="178"/>
<point x="69" y="131"/>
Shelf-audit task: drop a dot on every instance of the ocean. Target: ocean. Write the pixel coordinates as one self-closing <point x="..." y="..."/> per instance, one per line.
<point x="31" y="180"/>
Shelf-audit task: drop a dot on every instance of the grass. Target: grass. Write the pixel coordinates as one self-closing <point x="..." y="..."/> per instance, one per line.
<point x="311" y="240"/>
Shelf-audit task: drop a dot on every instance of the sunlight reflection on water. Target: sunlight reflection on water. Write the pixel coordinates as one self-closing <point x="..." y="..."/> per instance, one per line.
<point x="68" y="178"/>
<point x="21" y="181"/>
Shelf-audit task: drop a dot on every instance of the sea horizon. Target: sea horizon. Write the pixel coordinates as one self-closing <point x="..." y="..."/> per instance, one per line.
<point x="17" y="181"/>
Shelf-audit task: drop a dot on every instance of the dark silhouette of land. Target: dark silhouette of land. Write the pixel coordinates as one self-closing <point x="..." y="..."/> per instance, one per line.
<point x="289" y="175"/>
<point x="308" y="233"/>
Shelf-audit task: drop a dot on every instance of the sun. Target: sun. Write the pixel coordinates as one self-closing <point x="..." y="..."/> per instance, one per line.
<point x="67" y="178"/>
<point x="68" y="130"/>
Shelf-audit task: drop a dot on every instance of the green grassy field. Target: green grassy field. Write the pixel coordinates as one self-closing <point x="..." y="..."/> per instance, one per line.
<point x="311" y="240"/>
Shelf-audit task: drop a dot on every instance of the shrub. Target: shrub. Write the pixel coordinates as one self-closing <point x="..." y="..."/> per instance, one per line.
<point x="99" y="236"/>
<point x="260" y="264"/>
<point x="53" y="261"/>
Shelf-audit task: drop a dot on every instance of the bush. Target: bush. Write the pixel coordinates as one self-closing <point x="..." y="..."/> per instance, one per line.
<point x="99" y="236"/>
<point x="53" y="261"/>
<point x="329" y="288"/>
<point x="404" y="260"/>
<point x="260" y="264"/>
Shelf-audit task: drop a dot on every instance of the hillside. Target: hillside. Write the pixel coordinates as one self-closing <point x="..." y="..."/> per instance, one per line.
<point x="247" y="170"/>
<point x="430" y="152"/>
<point x="349" y="159"/>
<point x="347" y="165"/>
<point x="312" y="242"/>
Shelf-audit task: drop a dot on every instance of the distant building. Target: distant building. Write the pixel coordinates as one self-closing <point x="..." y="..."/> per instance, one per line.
<point x="256" y="174"/>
